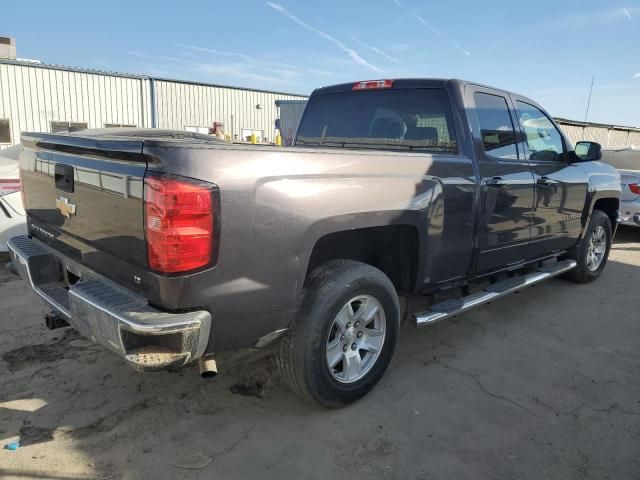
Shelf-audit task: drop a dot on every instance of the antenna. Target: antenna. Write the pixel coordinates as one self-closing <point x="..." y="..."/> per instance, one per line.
<point x="586" y="114"/>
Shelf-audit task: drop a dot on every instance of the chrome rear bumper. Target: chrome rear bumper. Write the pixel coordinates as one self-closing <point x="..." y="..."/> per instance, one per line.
<point x="108" y="314"/>
<point x="630" y="213"/>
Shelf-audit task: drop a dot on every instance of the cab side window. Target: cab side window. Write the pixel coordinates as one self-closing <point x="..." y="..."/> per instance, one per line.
<point x="543" y="138"/>
<point x="496" y="126"/>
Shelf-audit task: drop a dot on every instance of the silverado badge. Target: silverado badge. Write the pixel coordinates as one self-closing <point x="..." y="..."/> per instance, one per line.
<point x="66" y="208"/>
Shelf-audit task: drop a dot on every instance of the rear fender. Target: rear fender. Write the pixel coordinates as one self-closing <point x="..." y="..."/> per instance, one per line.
<point x="603" y="184"/>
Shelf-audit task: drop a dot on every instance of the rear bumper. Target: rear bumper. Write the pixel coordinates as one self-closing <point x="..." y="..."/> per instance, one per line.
<point x="630" y="213"/>
<point x="110" y="315"/>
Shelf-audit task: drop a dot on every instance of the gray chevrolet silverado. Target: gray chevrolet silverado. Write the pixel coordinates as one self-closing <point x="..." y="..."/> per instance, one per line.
<point x="169" y="247"/>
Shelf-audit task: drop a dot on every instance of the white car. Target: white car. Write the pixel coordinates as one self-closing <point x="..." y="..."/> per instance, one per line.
<point x="13" y="220"/>
<point x="9" y="171"/>
<point x="627" y="162"/>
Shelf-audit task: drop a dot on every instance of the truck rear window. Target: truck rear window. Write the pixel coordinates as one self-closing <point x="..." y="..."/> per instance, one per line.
<point x="404" y="120"/>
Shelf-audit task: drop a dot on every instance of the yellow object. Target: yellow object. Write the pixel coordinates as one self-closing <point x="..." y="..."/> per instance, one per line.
<point x="278" y="140"/>
<point x="254" y="138"/>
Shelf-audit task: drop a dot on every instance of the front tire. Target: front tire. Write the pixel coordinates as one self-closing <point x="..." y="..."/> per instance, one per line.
<point x="593" y="251"/>
<point x="344" y="334"/>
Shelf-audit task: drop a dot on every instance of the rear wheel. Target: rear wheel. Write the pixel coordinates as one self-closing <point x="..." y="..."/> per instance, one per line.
<point x="592" y="253"/>
<point x="344" y="334"/>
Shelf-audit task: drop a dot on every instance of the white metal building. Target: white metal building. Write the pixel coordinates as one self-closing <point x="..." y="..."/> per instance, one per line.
<point x="51" y="98"/>
<point x="609" y="136"/>
<point x="290" y="115"/>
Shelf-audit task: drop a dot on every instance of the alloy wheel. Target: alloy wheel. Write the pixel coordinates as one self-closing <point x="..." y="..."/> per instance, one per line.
<point x="355" y="339"/>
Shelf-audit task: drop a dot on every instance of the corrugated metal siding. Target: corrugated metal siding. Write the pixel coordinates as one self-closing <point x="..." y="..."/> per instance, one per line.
<point x="183" y="105"/>
<point x="596" y="134"/>
<point x="574" y="132"/>
<point x="607" y="136"/>
<point x="31" y="97"/>
<point x="634" y="138"/>
<point x="618" y="138"/>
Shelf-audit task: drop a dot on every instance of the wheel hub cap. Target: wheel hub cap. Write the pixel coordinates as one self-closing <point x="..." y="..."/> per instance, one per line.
<point x="597" y="248"/>
<point x="355" y="339"/>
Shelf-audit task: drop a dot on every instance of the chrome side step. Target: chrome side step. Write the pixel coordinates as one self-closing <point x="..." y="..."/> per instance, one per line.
<point x="451" y="308"/>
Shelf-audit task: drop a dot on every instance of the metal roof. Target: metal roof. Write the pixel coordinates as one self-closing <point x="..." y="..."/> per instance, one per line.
<point x="136" y="76"/>
<point x="290" y="102"/>
<point x="578" y="123"/>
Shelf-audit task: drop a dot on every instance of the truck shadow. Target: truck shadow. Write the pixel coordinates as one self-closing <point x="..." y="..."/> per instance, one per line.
<point x="100" y="419"/>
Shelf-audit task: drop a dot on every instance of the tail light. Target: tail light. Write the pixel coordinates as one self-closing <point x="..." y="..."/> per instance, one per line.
<point x="9" y="185"/>
<point x="180" y="223"/>
<point x="635" y="188"/>
<point x="372" y="84"/>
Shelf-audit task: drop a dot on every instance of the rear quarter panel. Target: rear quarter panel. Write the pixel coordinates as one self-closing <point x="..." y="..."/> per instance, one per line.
<point x="275" y="205"/>
<point x="603" y="183"/>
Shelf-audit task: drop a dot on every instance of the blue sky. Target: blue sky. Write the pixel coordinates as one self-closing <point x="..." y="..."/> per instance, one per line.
<point x="547" y="49"/>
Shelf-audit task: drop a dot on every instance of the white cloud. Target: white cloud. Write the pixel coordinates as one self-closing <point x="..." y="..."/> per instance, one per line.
<point x="425" y="23"/>
<point x="355" y="57"/>
<point x="637" y="75"/>
<point x="135" y="53"/>
<point x="462" y="50"/>
<point x="313" y="71"/>
<point x="222" y="53"/>
<point x="399" y="47"/>
<point x="376" y="50"/>
<point x="244" y="71"/>
<point x="594" y="18"/>
<point x="237" y="68"/>
<point x="397" y="2"/>
<point x="280" y="69"/>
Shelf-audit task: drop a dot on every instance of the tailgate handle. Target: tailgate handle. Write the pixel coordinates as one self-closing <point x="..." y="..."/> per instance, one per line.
<point x="64" y="177"/>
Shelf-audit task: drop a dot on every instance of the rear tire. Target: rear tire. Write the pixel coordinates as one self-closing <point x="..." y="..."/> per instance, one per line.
<point x="344" y="334"/>
<point x="593" y="251"/>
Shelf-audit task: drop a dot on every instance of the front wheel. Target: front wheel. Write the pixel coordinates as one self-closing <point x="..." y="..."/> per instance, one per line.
<point x="344" y="334"/>
<point x="593" y="251"/>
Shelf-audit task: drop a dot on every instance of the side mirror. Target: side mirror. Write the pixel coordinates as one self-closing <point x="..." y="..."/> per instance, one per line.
<point x="588" y="151"/>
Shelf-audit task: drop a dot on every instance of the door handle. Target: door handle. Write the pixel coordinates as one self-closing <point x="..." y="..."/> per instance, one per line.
<point x="494" y="182"/>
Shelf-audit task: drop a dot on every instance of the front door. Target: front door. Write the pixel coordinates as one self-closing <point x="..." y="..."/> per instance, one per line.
<point x="561" y="186"/>
<point x="507" y="182"/>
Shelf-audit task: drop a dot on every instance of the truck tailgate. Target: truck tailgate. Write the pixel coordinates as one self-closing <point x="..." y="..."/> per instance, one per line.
<point x="83" y="195"/>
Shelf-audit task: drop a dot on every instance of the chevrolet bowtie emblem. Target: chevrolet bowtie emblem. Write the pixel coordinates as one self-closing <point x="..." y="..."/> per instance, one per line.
<point x="66" y="208"/>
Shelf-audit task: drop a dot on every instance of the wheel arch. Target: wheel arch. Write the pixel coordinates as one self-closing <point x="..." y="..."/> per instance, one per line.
<point x="610" y="206"/>
<point x="394" y="244"/>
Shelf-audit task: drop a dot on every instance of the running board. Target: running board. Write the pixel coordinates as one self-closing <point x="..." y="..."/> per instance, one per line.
<point x="451" y="308"/>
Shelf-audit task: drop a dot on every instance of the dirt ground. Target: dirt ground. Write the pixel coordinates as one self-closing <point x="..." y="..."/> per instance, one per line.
<point x="543" y="385"/>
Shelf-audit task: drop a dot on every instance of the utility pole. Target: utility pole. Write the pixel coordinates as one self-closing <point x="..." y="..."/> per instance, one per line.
<point x="586" y="114"/>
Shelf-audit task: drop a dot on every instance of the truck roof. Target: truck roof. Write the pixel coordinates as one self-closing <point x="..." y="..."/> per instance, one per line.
<point x="397" y="83"/>
<point x="416" y="83"/>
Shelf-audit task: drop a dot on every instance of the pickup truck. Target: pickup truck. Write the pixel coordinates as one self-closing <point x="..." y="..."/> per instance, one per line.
<point x="169" y="247"/>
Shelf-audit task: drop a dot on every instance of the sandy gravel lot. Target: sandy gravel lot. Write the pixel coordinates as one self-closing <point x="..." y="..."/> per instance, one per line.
<point x="543" y="384"/>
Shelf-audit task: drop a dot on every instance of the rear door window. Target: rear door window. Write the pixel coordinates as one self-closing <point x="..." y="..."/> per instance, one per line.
<point x="405" y="120"/>
<point x="496" y="126"/>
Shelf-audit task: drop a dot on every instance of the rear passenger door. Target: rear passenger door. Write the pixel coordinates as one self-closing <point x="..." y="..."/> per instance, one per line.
<point x="507" y="184"/>
<point x="561" y="186"/>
